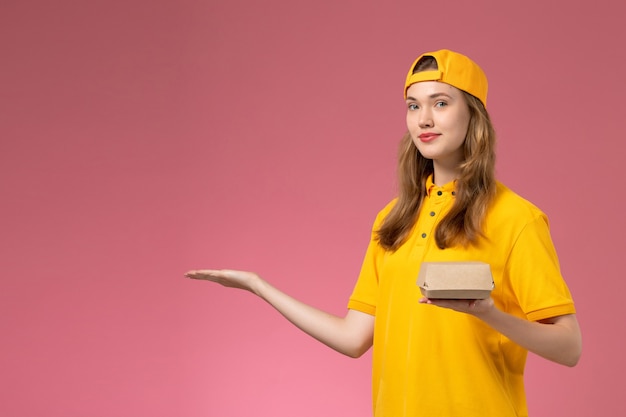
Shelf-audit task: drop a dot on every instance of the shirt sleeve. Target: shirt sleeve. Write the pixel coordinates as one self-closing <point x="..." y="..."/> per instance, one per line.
<point x="364" y="297"/>
<point x="535" y="274"/>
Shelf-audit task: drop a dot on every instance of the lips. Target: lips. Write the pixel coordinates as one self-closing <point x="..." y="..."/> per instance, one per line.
<point x="427" y="137"/>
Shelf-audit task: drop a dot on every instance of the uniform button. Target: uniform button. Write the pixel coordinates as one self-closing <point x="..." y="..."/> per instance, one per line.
<point x="423" y="234"/>
<point x="439" y="193"/>
<point x="432" y="213"/>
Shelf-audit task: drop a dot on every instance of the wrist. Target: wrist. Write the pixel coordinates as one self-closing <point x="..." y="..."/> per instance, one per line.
<point x="258" y="286"/>
<point x="485" y="310"/>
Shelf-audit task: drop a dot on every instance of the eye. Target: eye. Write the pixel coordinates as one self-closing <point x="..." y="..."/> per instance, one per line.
<point x="441" y="104"/>
<point x="412" y="106"/>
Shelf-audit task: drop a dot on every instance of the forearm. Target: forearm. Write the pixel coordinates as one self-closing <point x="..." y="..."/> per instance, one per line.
<point x="350" y="335"/>
<point x="557" y="339"/>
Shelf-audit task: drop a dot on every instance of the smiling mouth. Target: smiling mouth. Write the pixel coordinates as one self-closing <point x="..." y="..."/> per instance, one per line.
<point x="427" y="137"/>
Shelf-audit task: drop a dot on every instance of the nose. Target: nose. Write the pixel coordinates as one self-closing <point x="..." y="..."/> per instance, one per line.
<point x="425" y="119"/>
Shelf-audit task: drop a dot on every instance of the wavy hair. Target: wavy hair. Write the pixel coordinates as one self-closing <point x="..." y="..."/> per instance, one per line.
<point x="475" y="186"/>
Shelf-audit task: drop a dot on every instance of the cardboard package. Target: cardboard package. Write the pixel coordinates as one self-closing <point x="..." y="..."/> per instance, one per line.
<point x="458" y="280"/>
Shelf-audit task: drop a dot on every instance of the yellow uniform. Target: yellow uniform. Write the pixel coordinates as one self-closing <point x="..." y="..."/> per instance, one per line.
<point x="429" y="361"/>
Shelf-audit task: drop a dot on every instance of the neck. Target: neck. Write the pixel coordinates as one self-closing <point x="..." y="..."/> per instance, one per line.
<point x="443" y="174"/>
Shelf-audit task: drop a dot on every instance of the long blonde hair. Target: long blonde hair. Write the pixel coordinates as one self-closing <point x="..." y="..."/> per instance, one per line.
<point x="475" y="187"/>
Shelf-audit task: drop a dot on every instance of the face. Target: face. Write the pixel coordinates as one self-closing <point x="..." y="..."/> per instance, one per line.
<point x="437" y="118"/>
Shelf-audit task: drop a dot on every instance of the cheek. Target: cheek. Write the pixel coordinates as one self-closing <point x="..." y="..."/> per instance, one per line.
<point x="410" y="120"/>
<point x="459" y="124"/>
<point x="411" y="125"/>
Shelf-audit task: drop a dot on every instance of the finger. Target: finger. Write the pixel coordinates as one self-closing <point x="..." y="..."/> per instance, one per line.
<point x="203" y="274"/>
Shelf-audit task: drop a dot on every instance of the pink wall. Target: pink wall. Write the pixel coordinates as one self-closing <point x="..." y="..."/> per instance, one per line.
<point x="140" y="139"/>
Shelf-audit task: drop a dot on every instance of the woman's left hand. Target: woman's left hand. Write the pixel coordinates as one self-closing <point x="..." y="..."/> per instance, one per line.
<point x="473" y="307"/>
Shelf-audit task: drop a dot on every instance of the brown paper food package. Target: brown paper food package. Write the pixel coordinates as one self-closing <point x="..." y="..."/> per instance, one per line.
<point x="455" y="280"/>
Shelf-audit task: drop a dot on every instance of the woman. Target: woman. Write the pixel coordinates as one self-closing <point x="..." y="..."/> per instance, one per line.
<point x="446" y="357"/>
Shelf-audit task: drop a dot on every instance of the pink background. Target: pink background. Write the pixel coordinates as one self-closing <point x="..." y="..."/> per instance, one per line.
<point x="141" y="139"/>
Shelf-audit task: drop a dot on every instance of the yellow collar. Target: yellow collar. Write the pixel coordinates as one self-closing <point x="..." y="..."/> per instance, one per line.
<point x="431" y="187"/>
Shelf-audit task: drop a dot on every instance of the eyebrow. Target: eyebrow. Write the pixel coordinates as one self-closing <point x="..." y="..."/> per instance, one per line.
<point x="432" y="96"/>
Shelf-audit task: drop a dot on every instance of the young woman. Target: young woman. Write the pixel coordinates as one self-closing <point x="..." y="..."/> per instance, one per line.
<point x="446" y="357"/>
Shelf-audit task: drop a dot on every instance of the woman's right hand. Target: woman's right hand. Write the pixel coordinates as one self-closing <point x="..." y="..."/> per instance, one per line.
<point x="228" y="278"/>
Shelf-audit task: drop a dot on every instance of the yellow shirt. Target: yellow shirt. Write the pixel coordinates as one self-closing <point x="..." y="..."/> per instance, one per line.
<point x="430" y="361"/>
